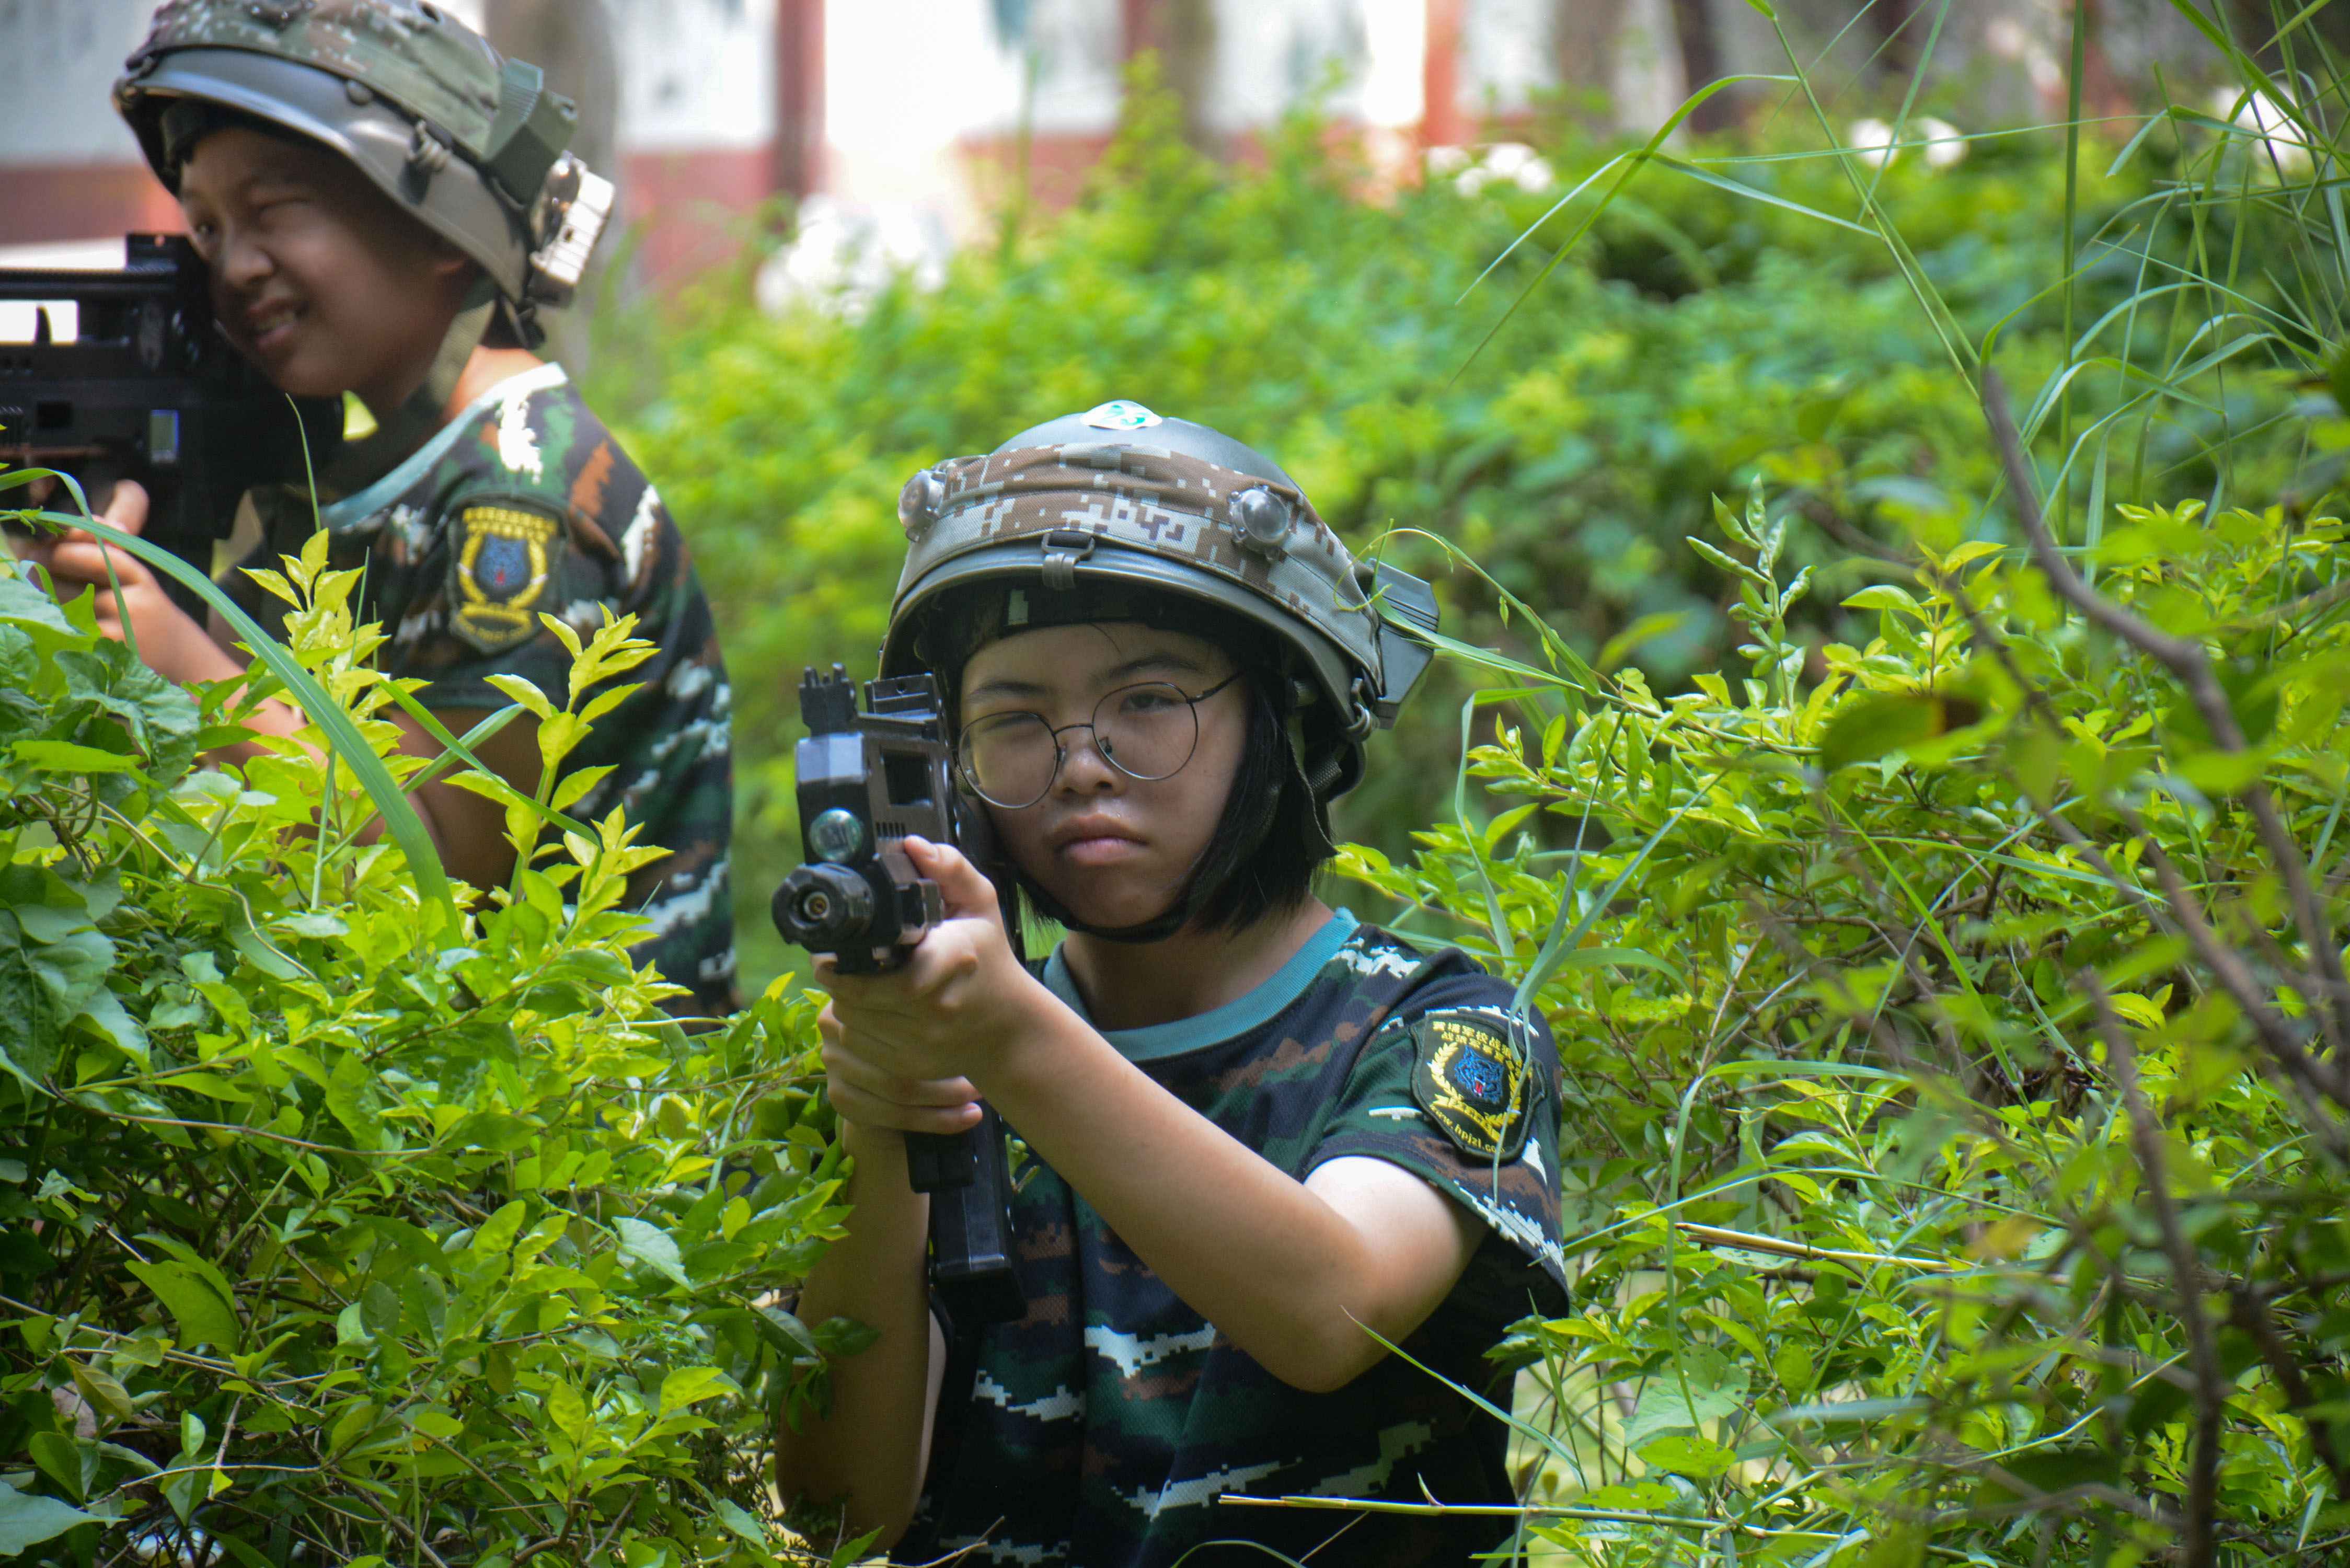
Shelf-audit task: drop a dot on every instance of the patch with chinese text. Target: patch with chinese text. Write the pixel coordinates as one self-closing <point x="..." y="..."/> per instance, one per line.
<point x="1472" y="1082"/>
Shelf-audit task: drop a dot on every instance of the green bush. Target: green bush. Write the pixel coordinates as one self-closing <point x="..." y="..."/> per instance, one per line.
<point x="1942" y="922"/>
<point x="337" y="1226"/>
<point x="1695" y="341"/>
<point x="1920" y="1151"/>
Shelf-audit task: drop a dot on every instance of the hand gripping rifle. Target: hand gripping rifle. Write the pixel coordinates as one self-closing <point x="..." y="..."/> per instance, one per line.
<point x="865" y="782"/>
<point x="148" y="389"/>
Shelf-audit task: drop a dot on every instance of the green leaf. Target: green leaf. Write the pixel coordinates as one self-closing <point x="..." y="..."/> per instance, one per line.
<point x="1715" y="555"/>
<point x="29" y="1047"/>
<point x="687" y="1385"/>
<point x="65" y="757"/>
<point x="400" y="822"/>
<point x="649" y="1245"/>
<point x="101" y="1391"/>
<point x="744" y="1525"/>
<point x="161" y="718"/>
<point x="1866" y="728"/>
<point x="1699" y="1384"/>
<point x="26" y="1521"/>
<point x="1885" y="596"/>
<point x="64" y="1460"/>
<point x="1686" y="1455"/>
<point x="202" y="1316"/>
<point x="566" y="1409"/>
<point x="1618" y="958"/>
<point x="35" y="614"/>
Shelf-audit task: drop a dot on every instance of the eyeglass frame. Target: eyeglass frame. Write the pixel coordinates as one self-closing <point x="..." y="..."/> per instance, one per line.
<point x="1061" y="752"/>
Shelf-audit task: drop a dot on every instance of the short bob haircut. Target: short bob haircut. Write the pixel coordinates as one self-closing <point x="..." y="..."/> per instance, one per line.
<point x="1272" y="840"/>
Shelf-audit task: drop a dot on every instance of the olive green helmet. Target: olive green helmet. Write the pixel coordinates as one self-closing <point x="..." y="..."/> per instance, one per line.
<point x="1119" y="499"/>
<point x="468" y="142"/>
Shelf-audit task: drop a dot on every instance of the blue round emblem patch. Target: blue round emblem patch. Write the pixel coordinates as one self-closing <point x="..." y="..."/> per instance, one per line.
<point x="502" y="565"/>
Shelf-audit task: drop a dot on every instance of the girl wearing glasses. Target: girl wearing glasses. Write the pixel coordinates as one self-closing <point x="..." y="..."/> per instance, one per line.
<point x="1263" y="1141"/>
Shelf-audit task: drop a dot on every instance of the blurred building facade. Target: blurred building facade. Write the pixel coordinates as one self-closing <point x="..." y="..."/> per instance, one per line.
<point x="714" y="110"/>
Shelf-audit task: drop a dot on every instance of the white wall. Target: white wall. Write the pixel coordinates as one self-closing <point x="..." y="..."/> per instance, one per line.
<point x="696" y="73"/>
<point x="1507" y="57"/>
<point x="58" y="60"/>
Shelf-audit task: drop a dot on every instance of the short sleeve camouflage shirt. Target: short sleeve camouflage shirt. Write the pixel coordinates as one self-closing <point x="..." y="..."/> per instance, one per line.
<point x="525" y="505"/>
<point x="1102" y="1430"/>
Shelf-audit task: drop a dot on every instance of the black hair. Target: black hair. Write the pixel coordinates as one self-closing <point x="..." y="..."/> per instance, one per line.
<point x="1277" y="875"/>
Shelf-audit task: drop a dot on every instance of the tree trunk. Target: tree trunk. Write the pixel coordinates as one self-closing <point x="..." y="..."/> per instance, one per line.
<point x="1183" y="32"/>
<point x="1901" y="36"/>
<point x="2104" y="102"/>
<point x="1700" y="47"/>
<point x="571" y="41"/>
<point x="799" y="96"/>
<point x="1584" y="38"/>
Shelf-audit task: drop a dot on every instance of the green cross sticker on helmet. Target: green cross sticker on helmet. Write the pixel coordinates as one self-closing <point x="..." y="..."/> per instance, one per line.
<point x="1120" y="415"/>
<point x="1119" y="499"/>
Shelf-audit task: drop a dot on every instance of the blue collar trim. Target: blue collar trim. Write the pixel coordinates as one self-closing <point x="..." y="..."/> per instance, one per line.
<point x="353" y="510"/>
<point x="1234" y="1018"/>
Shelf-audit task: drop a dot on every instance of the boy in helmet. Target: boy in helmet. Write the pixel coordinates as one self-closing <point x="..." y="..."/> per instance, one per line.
<point x="1262" y="1137"/>
<point x="385" y="206"/>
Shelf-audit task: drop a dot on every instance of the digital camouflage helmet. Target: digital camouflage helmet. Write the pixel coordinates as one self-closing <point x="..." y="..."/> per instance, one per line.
<point x="471" y="144"/>
<point x="1120" y="501"/>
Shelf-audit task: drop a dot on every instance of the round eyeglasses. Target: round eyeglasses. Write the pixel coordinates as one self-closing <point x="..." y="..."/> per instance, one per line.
<point x="1147" y="731"/>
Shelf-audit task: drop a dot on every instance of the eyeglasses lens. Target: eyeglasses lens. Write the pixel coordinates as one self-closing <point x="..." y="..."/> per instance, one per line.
<point x="1009" y="758"/>
<point x="1146" y="732"/>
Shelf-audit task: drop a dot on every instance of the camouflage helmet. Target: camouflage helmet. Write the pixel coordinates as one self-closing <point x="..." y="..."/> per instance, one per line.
<point x="468" y="142"/>
<point x="1120" y="498"/>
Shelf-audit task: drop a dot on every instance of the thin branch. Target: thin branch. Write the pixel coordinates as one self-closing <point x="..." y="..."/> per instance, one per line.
<point x="2191" y="666"/>
<point x="2197" y="1545"/>
<point x="1748" y="1241"/>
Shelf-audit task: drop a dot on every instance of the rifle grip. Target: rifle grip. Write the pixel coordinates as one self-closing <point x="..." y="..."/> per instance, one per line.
<point x="937" y="1162"/>
<point x="969" y="1187"/>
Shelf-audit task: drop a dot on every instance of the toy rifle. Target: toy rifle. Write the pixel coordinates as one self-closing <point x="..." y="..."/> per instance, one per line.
<point x="867" y="780"/>
<point x="147" y="388"/>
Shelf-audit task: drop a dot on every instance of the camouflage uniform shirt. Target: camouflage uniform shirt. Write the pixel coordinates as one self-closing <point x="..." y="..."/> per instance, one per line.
<point x="522" y="504"/>
<point x="1100" y="1430"/>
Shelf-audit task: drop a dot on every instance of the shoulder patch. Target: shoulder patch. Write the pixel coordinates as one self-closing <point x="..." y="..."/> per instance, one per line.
<point x="504" y="553"/>
<point x="1472" y="1082"/>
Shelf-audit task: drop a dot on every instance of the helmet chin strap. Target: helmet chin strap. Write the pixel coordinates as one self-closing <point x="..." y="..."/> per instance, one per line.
<point x="400" y="431"/>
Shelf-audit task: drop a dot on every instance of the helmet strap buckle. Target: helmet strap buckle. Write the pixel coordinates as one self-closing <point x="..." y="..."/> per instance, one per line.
<point x="1363" y="699"/>
<point x="428" y="154"/>
<point x="1064" y="548"/>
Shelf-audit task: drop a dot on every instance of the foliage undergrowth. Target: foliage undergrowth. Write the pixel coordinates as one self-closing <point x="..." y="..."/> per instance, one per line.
<point x="1873" y="1011"/>
<point x="1953" y="1009"/>
<point x="1694" y="340"/>
<point x="1947" y="962"/>
<point x="337" y="1227"/>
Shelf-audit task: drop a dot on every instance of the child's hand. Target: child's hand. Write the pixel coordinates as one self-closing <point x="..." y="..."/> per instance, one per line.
<point x="171" y="642"/>
<point x="902" y="1048"/>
